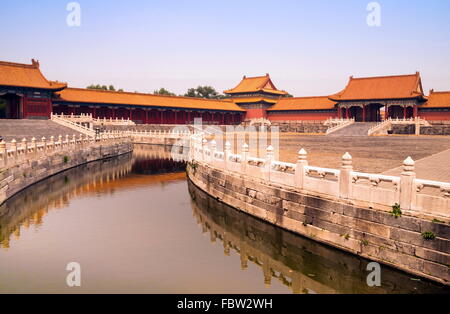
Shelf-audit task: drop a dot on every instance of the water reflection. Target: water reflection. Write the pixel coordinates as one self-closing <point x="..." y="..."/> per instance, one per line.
<point x="128" y="221"/>
<point x="302" y="265"/>
<point x="155" y="160"/>
<point x="28" y="208"/>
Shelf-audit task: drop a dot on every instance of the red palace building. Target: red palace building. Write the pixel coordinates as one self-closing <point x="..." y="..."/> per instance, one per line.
<point x="26" y="93"/>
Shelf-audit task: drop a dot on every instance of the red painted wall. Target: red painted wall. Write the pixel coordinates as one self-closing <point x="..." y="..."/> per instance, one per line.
<point x="255" y="114"/>
<point x="36" y="107"/>
<point x="153" y="116"/>
<point x="435" y="116"/>
<point x="301" y="116"/>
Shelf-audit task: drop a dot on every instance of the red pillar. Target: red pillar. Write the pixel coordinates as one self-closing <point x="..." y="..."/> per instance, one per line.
<point x="176" y="116"/>
<point x="203" y="116"/>
<point x="347" y="112"/>
<point x="364" y="113"/>
<point x="50" y="108"/>
<point x="415" y="112"/>
<point x="23" y="107"/>
<point x="404" y="112"/>
<point x="339" y="112"/>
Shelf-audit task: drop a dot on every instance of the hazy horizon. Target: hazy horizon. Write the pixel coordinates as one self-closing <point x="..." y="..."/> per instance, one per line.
<point x="308" y="48"/>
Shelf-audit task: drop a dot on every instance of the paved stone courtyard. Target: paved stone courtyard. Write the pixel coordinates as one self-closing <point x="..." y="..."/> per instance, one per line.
<point x="376" y="154"/>
<point x="370" y="154"/>
<point x="19" y="129"/>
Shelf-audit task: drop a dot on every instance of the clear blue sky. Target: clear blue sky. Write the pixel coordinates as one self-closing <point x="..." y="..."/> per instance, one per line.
<point x="308" y="47"/>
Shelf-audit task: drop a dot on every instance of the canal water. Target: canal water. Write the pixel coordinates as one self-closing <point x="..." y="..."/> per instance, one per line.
<point x="136" y="225"/>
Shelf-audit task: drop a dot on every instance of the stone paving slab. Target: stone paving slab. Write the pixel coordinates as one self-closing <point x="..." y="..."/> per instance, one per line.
<point x="434" y="167"/>
<point x="28" y="128"/>
<point x="373" y="154"/>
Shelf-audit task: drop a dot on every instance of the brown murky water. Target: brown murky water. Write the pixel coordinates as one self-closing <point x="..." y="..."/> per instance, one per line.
<point x="135" y="225"/>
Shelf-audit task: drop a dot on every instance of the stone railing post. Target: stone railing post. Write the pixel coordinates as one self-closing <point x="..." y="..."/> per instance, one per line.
<point x="67" y="141"/>
<point x="417" y="126"/>
<point x="302" y="162"/>
<point x="244" y="158"/>
<point x="14" y="149"/>
<point x="60" y="141"/>
<point x="345" y="177"/>
<point x="407" y="187"/>
<point x="268" y="163"/>
<point x="25" y="147"/>
<point x="52" y="143"/>
<point x="3" y="152"/>
<point x="213" y="152"/>
<point x="34" y="147"/>
<point x="44" y="143"/>
<point x="226" y="154"/>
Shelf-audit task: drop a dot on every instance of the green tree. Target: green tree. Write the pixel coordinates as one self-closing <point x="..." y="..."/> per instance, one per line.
<point x="163" y="91"/>
<point x="103" y="87"/>
<point x="203" y="92"/>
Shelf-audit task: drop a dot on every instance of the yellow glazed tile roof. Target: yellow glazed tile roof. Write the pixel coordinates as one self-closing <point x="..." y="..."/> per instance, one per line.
<point x="381" y="87"/>
<point x="437" y="100"/>
<point x="304" y="103"/>
<point x="79" y="95"/>
<point x="26" y="75"/>
<point x="256" y="84"/>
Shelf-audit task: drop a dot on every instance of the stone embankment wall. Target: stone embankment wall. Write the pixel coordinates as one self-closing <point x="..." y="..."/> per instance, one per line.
<point x="16" y="176"/>
<point x="162" y="140"/>
<point x="372" y="233"/>
<point x="284" y="126"/>
<point x="142" y="127"/>
<point x="436" y="128"/>
<point x="301" y="126"/>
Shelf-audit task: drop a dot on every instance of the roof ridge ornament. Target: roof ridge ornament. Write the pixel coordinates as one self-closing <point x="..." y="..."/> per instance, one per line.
<point x="35" y="63"/>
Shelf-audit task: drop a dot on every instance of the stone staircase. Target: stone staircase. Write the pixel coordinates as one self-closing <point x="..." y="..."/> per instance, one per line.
<point x="355" y="129"/>
<point x="19" y="129"/>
